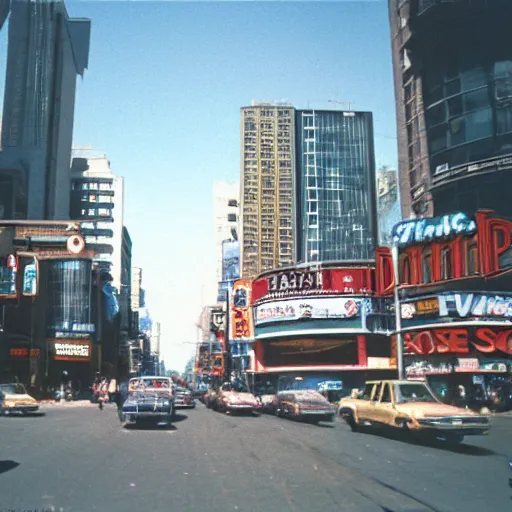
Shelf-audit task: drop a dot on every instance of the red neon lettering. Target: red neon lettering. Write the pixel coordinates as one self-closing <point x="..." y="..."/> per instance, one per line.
<point x="485" y="340"/>
<point x="504" y="341"/>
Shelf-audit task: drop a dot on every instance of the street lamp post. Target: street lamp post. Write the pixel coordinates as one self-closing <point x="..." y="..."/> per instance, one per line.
<point x="398" y="314"/>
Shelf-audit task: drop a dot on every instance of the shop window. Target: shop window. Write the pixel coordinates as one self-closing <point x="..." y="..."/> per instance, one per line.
<point x="427" y="266"/>
<point x="472" y="259"/>
<point x="446" y="263"/>
<point x="405" y="270"/>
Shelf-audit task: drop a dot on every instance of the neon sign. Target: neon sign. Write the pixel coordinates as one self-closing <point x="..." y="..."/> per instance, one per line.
<point x="424" y="230"/>
<point x="458" y="341"/>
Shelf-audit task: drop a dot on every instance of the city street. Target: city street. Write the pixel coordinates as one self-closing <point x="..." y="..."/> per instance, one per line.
<point x="81" y="459"/>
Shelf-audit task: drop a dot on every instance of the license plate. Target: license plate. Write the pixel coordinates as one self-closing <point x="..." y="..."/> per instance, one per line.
<point x="457" y="422"/>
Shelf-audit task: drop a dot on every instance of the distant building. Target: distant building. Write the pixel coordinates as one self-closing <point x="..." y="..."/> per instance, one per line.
<point x="125" y="291"/>
<point x="226" y="210"/>
<point x="388" y="204"/>
<point x="335" y="186"/>
<point x="46" y="51"/>
<point x="267" y="198"/>
<point x="136" y="288"/>
<point x="97" y="199"/>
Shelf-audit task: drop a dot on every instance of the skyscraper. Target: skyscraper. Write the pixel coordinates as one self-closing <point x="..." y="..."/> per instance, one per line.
<point x="46" y="51"/>
<point x="267" y="199"/>
<point x="336" y="202"/>
<point x="453" y="86"/>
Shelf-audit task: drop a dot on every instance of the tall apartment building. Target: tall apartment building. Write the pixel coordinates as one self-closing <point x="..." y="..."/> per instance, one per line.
<point x="335" y="187"/>
<point x="45" y="53"/>
<point x="225" y="212"/>
<point x="267" y="176"/>
<point x="452" y="65"/>
<point x="97" y="199"/>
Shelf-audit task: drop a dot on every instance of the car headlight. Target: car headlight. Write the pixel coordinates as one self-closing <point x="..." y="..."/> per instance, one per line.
<point x="166" y="403"/>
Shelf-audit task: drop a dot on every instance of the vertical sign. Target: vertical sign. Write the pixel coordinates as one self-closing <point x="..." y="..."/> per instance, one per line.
<point x="240" y="317"/>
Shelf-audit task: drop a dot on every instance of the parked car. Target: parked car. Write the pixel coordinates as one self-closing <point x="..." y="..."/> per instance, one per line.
<point x="412" y="407"/>
<point x="149" y="399"/>
<point x="234" y="398"/>
<point x="16" y="399"/>
<point x="268" y="403"/>
<point x="184" y="399"/>
<point x="304" y="404"/>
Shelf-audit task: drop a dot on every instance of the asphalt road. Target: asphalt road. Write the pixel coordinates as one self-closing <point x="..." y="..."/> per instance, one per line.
<point x="81" y="459"/>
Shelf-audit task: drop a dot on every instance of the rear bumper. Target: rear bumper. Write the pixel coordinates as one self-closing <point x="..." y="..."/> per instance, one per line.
<point x="320" y="415"/>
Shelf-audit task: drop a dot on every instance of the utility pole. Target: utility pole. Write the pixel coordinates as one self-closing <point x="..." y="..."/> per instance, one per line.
<point x="398" y="314"/>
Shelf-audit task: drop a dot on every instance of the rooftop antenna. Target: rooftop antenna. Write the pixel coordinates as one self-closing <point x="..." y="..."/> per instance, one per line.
<point x="349" y="103"/>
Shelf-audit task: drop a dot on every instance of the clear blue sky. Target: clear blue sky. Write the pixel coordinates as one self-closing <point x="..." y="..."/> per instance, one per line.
<point x="162" y="96"/>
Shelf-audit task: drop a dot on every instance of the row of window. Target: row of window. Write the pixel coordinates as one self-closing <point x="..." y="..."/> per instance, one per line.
<point x="93" y="198"/>
<point x="96" y="212"/>
<point x="419" y="268"/>
<point x="94" y="186"/>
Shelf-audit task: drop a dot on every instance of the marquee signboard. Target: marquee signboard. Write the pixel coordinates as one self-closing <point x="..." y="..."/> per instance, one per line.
<point x="303" y="309"/>
<point x="459" y="341"/>
<point x="312" y="283"/>
<point x="454" y="307"/>
<point x="444" y="174"/>
<point x="419" y="231"/>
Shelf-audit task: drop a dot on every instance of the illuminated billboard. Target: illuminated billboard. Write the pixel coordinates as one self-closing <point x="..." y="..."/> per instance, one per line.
<point x="230" y="260"/>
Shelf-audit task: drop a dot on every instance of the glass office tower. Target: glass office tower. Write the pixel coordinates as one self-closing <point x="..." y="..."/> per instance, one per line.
<point x="336" y="198"/>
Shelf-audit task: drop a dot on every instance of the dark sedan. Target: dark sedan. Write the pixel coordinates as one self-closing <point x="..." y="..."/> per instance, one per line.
<point x="149" y="399"/>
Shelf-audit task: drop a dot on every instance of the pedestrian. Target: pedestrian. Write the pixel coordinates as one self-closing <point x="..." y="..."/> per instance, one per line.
<point x="112" y="390"/>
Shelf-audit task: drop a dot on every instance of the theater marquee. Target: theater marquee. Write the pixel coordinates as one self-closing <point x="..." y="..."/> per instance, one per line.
<point x="307" y="308"/>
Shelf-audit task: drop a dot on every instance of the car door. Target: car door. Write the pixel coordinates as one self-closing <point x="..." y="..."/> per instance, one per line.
<point x="366" y="405"/>
<point x="384" y="409"/>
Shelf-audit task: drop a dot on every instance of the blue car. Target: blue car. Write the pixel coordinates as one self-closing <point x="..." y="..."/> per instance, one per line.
<point x="150" y="399"/>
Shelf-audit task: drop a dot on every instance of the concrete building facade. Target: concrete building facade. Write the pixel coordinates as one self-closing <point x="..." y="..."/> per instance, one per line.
<point x="267" y="184"/>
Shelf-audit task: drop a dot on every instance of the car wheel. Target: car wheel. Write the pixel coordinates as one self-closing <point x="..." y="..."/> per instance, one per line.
<point x="352" y="422"/>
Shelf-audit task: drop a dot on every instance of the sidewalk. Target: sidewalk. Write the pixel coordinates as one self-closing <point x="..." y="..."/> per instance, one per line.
<point x="74" y="403"/>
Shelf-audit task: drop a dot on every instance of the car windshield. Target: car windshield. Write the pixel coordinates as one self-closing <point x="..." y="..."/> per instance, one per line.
<point x="13" y="389"/>
<point x="414" y="392"/>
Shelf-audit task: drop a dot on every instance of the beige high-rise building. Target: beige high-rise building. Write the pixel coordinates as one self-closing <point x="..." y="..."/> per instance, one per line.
<point x="266" y="185"/>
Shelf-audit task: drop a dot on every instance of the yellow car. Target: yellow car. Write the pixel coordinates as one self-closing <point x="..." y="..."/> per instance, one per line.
<point x="412" y="407"/>
<point x="16" y="399"/>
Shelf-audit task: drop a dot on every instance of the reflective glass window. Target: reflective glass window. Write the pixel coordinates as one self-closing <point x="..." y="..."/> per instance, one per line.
<point x="479" y="125"/>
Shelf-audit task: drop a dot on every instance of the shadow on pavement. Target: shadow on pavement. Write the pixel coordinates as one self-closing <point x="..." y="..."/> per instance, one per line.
<point x="149" y="426"/>
<point x="404" y="437"/>
<point x="7" y="465"/>
<point x="25" y="416"/>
